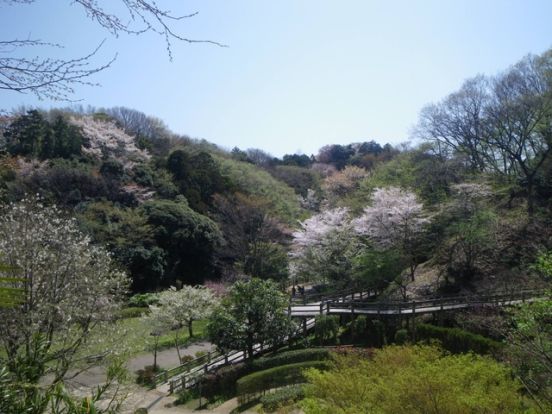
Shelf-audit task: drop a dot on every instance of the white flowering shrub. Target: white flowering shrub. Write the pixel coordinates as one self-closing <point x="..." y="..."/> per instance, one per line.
<point x="70" y="285"/>
<point x="106" y="140"/>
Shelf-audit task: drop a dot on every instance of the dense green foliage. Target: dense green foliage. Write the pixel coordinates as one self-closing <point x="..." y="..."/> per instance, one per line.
<point x="458" y="340"/>
<point x="251" y="313"/>
<point x="326" y="329"/>
<point x="282" y="397"/>
<point x="414" y="379"/>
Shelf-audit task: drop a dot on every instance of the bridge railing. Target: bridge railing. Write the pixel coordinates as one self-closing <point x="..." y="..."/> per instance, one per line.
<point x="336" y="296"/>
<point x="435" y="304"/>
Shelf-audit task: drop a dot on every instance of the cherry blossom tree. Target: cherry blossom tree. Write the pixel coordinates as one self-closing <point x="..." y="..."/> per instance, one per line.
<point x="178" y="308"/>
<point x="324" y="247"/>
<point x="68" y="287"/>
<point x="395" y="219"/>
<point x="104" y="139"/>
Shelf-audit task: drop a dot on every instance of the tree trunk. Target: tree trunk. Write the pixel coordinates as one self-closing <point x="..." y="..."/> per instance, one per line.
<point x="190" y="328"/>
<point x="155" y="352"/>
<point x="177" y="346"/>
<point x="530" y="198"/>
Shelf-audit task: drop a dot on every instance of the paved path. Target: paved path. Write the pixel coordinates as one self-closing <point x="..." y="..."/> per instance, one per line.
<point x="166" y="358"/>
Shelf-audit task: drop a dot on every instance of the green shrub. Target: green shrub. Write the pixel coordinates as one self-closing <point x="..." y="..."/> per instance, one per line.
<point x="141" y="411"/>
<point x="283" y="396"/>
<point x="145" y="376"/>
<point x="458" y="340"/>
<point x="183" y="396"/>
<point x="143" y="300"/>
<point x="401" y="336"/>
<point x="275" y="377"/>
<point x="290" y="357"/>
<point x="132" y="312"/>
<point x="223" y="381"/>
<point x="199" y="354"/>
<point x="186" y="358"/>
<point x="326" y="329"/>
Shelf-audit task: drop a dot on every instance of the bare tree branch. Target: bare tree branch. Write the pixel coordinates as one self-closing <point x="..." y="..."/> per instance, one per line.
<point x="56" y="78"/>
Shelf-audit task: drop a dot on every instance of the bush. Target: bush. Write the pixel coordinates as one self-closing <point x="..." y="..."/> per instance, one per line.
<point x="275" y="377"/>
<point x="132" y="312"/>
<point x="457" y="340"/>
<point x="183" y="396"/>
<point x="283" y="396"/>
<point x="401" y="336"/>
<point x="141" y="411"/>
<point x="223" y="381"/>
<point x="290" y="357"/>
<point x="200" y="354"/>
<point x="145" y="376"/>
<point x="326" y="329"/>
<point x="186" y="358"/>
<point x="143" y="300"/>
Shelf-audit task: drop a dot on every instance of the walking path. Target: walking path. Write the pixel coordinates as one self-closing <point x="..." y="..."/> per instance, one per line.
<point x="166" y="358"/>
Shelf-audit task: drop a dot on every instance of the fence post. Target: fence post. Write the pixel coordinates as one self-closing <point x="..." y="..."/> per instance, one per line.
<point x="171" y="387"/>
<point x="321" y="308"/>
<point x="328" y="307"/>
<point x="226" y="359"/>
<point x="183" y="382"/>
<point x="165" y="376"/>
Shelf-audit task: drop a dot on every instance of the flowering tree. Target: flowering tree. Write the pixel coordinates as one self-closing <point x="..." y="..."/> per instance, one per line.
<point x="324" y="247"/>
<point x="182" y="307"/>
<point x="68" y="286"/>
<point x="104" y="139"/>
<point x="394" y="220"/>
<point x="344" y="182"/>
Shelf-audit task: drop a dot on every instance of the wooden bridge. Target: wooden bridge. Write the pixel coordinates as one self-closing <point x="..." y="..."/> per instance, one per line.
<point x="344" y="303"/>
<point x="414" y="307"/>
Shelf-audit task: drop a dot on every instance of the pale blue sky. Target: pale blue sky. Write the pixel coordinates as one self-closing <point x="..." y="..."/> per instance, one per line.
<point x="298" y="74"/>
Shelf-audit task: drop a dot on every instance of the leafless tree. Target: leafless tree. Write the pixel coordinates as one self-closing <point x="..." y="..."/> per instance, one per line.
<point x="501" y="124"/>
<point x="56" y="78"/>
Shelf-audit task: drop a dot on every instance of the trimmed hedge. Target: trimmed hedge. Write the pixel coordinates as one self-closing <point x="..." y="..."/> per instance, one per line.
<point x="223" y="381"/>
<point x="458" y="340"/>
<point x="275" y="377"/>
<point x="283" y="396"/>
<point x="290" y="357"/>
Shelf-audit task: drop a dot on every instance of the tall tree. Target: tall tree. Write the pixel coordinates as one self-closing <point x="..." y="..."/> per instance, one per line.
<point x="502" y="124"/>
<point x="68" y="284"/>
<point x="253" y="312"/>
<point x="395" y="219"/>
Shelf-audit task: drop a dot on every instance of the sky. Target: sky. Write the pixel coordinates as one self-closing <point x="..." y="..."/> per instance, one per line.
<point x="298" y="74"/>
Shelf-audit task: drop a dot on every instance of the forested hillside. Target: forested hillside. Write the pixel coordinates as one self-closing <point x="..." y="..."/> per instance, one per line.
<point x="470" y="202"/>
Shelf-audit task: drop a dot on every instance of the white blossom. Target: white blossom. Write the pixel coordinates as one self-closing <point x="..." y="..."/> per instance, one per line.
<point x="105" y="139"/>
<point x="393" y="216"/>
